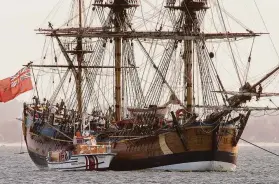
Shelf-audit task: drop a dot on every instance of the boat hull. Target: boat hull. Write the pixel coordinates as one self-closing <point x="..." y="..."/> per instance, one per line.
<point x="187" y="161"/>
<point x="162" y="152"/>
<point x="202" y="150"/>
<point x="199" y="166"/>
<point x="38" y="159"/>
<point x="193" y="161"/>
<point x="96" y="162"/>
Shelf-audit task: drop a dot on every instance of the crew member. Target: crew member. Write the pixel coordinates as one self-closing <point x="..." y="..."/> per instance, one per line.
<point x="61" y="106"/>
<point x="259" y="92"/>
<point x="78" y="134"/>
<point x="36" y="101"/>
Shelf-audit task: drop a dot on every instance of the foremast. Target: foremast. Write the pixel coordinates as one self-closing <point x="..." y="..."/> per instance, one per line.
<point x="78" y="51"/>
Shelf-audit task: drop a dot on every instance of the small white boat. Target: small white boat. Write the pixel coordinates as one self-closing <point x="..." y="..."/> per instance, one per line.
<point x="87" y="155"/>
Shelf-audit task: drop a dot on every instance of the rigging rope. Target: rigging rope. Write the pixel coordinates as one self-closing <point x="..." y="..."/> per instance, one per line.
<point x="266" y="29"/>
<point x="259" y="147"/>
<point x="249" y="62"/>
<point x="229" y="43"/>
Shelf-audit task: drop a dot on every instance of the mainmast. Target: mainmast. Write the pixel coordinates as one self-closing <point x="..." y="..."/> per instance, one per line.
<point x="120" y="22"/>
<point x="79" y="60"/>
<point x="119" y="19"/>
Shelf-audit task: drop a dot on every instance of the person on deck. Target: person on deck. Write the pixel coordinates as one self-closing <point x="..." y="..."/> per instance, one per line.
<point x="65" y="113"/>
<point x="44" y="102"/>
<point x="61" y="106"/>
<point x="259" y="92"/>
<point x="36" y="101"/>
<point x="254" y="90"/>
<point x="78" y="134"/>
<point x="57" y="106"/>
<point x="47" y="104"/>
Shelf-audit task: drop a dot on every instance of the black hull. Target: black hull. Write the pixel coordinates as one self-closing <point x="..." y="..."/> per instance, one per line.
<point x="165" y="160"/>
<point x="39" y="160"/>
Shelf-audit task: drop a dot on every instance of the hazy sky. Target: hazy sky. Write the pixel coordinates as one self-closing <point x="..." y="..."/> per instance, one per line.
<point x="20" y="44"/>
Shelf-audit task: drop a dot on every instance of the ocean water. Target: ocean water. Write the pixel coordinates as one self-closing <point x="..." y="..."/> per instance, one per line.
<point x="254" y="166"/>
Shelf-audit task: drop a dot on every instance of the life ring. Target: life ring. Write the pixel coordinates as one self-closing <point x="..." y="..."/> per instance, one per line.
<point x="180" y="112"/>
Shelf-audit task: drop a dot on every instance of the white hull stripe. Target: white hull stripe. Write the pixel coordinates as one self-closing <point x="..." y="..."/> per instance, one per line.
<point x="163" y="145"/>
<point x="199" y="166"/>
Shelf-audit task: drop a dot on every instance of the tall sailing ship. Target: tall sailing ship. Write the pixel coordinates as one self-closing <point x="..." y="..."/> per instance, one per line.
<point x="141" y="78"/>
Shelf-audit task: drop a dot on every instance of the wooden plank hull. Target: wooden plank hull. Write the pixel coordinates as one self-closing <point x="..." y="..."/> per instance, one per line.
<point x="164" y="151"/>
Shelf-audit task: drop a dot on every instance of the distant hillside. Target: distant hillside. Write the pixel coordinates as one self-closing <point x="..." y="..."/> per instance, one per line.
<point x="10" y="110"/>
<point x="10" y="128"/>
<point x="259" y="129"/>
<point x="262" y="129"/>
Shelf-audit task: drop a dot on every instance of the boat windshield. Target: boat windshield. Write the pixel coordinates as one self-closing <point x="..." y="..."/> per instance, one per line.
<point x="85" y="140"/>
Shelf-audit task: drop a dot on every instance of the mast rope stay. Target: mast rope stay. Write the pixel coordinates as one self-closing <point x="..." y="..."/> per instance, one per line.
<point x="266" y="29"/>
<point x="257" y="146"/>
<point x="248" y="63"/>
<point x="229" y="43"/>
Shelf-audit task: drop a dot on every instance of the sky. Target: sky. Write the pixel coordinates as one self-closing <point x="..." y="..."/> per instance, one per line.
<point x="20" y="44"/>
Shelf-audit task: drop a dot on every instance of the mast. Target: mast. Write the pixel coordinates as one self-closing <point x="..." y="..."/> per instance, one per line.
<point x="79" y="60"/>
<point x="190" y="16"/>
<point x="117" y="77"/>
<point x="188" y="62"/>
<point x="119" y="9"/>
<point x="187" y="32"/>
<point x="119" y="19"/>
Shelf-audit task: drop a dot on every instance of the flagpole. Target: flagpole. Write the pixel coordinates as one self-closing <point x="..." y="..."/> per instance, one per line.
<point x="29" y="66"/>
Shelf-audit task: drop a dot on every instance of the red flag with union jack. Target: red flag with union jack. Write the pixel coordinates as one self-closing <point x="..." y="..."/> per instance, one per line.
<point x="13" y="86"/>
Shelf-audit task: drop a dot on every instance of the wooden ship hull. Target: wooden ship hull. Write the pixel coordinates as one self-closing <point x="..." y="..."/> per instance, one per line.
<point x="167" y="152"/>
<point x="204" y="150"/>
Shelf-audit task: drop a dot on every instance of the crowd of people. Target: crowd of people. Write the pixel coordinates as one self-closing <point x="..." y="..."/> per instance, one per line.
<point x="65" y="120"/>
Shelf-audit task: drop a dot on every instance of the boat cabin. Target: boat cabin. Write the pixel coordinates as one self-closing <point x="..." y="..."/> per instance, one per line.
<point x="82" y="146"/>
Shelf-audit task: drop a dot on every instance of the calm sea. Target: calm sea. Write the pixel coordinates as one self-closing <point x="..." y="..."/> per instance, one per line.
<point x="254" y="166"/>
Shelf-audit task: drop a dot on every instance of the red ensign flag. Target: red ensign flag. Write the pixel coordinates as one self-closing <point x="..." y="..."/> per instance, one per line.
<point x="13" y="86"/>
